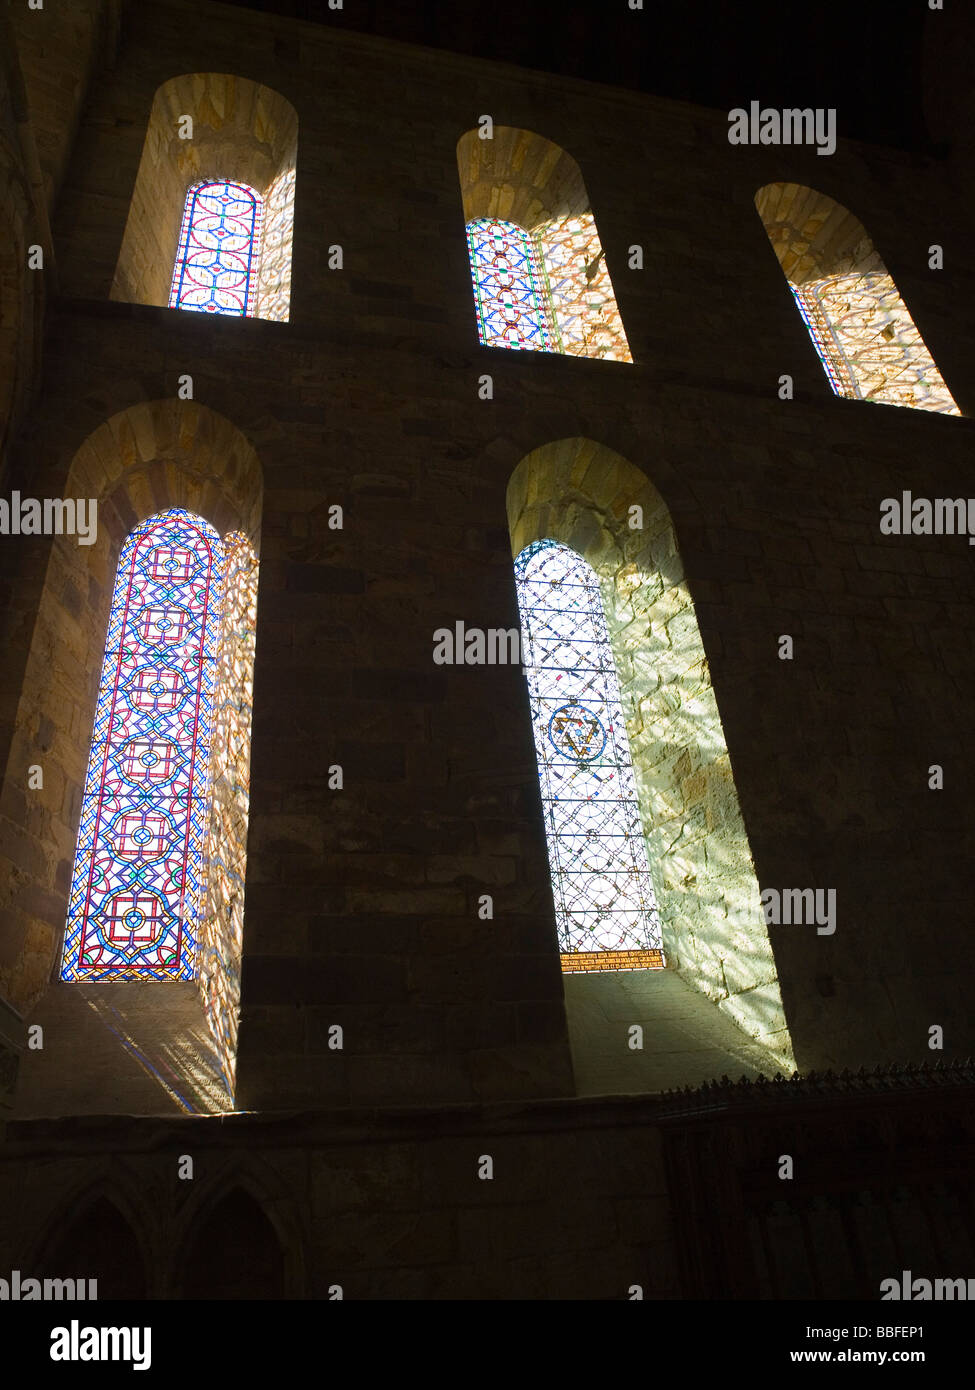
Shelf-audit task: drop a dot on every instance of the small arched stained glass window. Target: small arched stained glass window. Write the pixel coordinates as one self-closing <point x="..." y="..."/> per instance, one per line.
<point x="219" y="252"/>
<point x="139" y="886"/>
<point x="605" y="908"/>
<point x="513" y="308"/>
<point x="547" y="290"/>
<point x="870" y="347"/>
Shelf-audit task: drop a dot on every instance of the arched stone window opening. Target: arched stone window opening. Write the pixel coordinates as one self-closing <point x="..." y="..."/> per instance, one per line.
<point x="212" y="215"/>
<point x="861" y="328"/>
<point x="572" y="502"/>
<point x="98" y="1245"/>
<point x="539" y="271"/>
<point x="157" y="885"/>
<point x="147" y="1036"/>
<point x="235" y="1253"/>
<point x="605" y="906"/>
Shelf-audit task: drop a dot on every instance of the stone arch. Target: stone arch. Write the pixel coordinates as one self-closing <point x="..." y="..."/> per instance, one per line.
<point x="520" y="177"/>
<point x="812" y="235"/>
<point x="146" y="458"/>
<point x="100" y="1232"/>
<point x="581" y="493"/>
<point x="242" y="131"/>
<point x="250" y="1205"/>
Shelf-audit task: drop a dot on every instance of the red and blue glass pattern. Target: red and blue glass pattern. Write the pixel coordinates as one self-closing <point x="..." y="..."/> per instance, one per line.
<point x="140" y="864"/>
<point x="219" y="248"/>
<point x="824" y="341"/>
<point x="510" y="292"/>
<point x="604" y="898"/>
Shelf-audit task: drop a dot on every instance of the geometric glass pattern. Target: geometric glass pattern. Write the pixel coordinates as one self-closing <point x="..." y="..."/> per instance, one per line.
<point x="219" y="247"/>
<point x="222" y="929"/>
<point x="137" y="886"/>
<point x="510" y="294"/>
<point x="547" y="291"/>
<point x="605" y="908"/>
<point x="868" y="343"/>
<point x="581" y="292"/>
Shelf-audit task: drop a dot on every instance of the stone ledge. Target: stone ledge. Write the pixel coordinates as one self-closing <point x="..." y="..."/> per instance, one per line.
<point x="828" y="1088"/>
<point x="401" y="1124"/>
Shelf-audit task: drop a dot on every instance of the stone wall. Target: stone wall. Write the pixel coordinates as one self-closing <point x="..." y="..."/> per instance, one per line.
<point x="12" y="1039"/>
<point x="678" y="1195"/>
<point x="362" y="904"/>
<point x="59" y="48"/>
<point x="384" y="1205"/>
<point x="21" y="293"/>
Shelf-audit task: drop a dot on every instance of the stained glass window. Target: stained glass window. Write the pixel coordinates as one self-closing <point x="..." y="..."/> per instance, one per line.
<point x="868" y="343"/>
<point x="548" y="290"/>
<point x="509" y="287"/>
<point x="219" y="248"/>
<point x="138" y="885"/>
<point x="581" y="292"/>
<point x="605" y="908"/>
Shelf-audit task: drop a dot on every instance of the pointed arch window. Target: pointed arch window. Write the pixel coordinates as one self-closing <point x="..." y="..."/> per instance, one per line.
<point x="218" y="260"/>
<point x="156" y="890"/>
<point x="605" y="906"/>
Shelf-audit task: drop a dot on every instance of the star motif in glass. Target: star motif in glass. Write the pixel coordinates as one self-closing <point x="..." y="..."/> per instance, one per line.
<point x="604" y="900"/>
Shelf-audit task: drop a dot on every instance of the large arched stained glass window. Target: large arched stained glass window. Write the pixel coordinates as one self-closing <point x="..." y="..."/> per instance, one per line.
<point x="219" y="252"/>
<point x="166" y="730"/>
<point x="605" y="907"/>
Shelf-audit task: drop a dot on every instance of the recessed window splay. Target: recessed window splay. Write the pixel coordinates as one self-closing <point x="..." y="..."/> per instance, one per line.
<point x="867" y="341"/>
<point x="211" y="218"/>
<point x="605" y="908"/>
